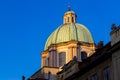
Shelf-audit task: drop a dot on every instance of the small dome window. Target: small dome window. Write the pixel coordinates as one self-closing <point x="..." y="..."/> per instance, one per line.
<point x="72" y="19"/>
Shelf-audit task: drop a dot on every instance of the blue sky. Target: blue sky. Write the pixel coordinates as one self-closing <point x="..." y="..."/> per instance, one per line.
<point x="26" y="24"/>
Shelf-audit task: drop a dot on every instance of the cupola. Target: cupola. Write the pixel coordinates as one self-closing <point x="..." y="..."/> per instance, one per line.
<point x="69" y="16"/>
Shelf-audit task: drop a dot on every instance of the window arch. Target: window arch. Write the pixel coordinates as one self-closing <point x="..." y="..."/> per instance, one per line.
<point x="83" y="55"/>
<point x="72" y="19"/>
<point x="62" y="58"/>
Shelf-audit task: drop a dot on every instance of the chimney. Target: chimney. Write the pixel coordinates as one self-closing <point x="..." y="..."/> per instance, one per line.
<point x="100" y="44"/>
<point x="23" y="77"/>
<point x="115" y="34"/>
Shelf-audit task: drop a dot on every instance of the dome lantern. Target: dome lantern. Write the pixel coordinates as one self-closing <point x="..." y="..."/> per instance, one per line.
<point x="69" y="17"/>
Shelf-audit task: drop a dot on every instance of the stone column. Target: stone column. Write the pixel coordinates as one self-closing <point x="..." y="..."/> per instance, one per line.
<point x="55" y="58"/>
<point x="50" y="58"/>
<point x="70" y="53"/>
<point x="43" y="61"/>
<point x="79" y="53"/>
<point x="75" y="51"/>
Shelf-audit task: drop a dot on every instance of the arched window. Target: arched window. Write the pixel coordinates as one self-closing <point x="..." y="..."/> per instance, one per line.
<point x="62" y="58"/>
<point x="83" y="55"/>
<point x="72" y="19"/>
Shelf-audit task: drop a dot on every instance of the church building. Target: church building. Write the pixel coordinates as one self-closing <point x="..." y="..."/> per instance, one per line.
<point x="71" y="54"/>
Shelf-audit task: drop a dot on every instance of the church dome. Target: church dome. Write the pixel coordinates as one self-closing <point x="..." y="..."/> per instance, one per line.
<point x="69" y="32"/>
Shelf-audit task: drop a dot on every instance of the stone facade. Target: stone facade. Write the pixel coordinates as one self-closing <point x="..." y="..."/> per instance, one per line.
<point x="116" y="65"/>
<point x="115" y="42"/>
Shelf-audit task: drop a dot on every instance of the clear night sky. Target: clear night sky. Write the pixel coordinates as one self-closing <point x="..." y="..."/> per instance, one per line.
<point x="26" y="24"/>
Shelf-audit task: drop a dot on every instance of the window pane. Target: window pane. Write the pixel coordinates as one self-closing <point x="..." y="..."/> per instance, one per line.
<point x="72" y="19"/>
<point x="107" y="73"/>
<point x="62" y="58"/>
<point x="83" y="55"/>
<point x="94" y="77"/>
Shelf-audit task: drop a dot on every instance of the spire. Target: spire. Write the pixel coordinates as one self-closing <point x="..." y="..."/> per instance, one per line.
<point x="69" y="8"/>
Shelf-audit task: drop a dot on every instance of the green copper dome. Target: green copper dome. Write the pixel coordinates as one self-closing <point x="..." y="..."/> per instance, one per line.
<point x="69" y="32"/>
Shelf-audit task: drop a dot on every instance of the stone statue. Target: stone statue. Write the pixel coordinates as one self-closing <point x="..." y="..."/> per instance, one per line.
<point x="113" y="27"/>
